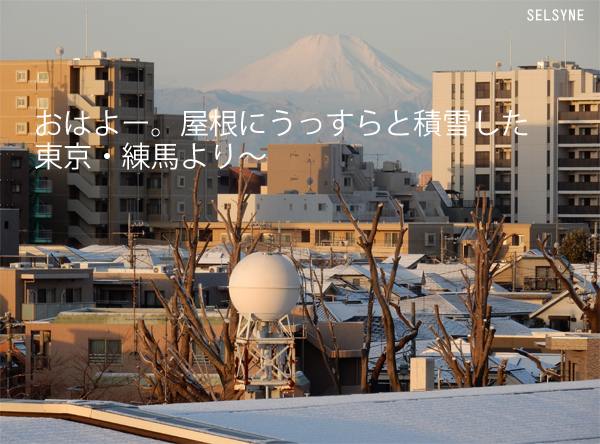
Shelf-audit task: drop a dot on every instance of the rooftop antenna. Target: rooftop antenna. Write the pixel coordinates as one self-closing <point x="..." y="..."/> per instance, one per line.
<point x="86" y="29"/>
<point x="510" y="52"/>
<point x="565" y="45"/>
<point x="309" y="181"/>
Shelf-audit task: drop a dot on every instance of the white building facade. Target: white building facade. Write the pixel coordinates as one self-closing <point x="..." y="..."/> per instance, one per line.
<point x="551" y="173"/>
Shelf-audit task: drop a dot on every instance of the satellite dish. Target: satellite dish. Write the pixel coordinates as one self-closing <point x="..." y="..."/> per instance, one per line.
<point x="265" y="285"/>
<point x="60" y="51"/>
<point x="498" y="65"/>
<point x="309" y="181"/>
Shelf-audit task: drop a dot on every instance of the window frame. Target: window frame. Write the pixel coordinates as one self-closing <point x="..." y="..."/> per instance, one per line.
<point x="103" y="358"/>
<point x="25" y="99"/>
<point x="43" y="77"/>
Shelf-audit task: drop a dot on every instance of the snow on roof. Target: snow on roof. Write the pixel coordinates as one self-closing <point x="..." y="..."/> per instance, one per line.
<point x="500" y="306"/>
<point x="504" y="326"/>
<point x="406" y="260"/>
<point x="569" y="413"/>
<point x="44" y="430"/>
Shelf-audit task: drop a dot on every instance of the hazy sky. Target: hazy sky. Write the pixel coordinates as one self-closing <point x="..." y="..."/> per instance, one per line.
<point x="196" y="43"/>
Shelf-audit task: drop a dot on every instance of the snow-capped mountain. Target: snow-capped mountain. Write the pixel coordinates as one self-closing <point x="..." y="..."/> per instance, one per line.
<point x="328" y="72"/>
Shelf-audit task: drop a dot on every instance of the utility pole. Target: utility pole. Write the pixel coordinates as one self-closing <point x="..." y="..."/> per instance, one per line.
<point x="131" y="236"/>
<point x="9" y="356"/>
<point x="514" y="271"/>
<point x="442" y="242"/>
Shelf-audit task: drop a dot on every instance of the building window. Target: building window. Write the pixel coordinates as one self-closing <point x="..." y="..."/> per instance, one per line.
<point x="482" y="159"/>
<point x="482" y="90"/>
<point x="182" y="155"/>
<point x="516" y="182"/>
<point x="322" y="207"/>
<point x="149" y="106"/>
<point x="429" y="239"/>
<point x="149" y="79"/>
<point x="291" y="207"/>
<point x="153" y="208"/>
<point x="548" y="135"/>
<point x="548" y="88"/>
<point x="209" y="183"/>
<point x="462" y="158"/>
<point x="129" y="205"/>
<point x="22" y="101"/>
<point x="462" y="90"/>
<point x="16" y="162"/>
<point x="461" y="183"/>
<point x="22" y="127"/>
<point x="516" y="158"/>
<point x="516" y="205"/>
<point x="548" y="205"/>
<point x="43" y="77"/>
<point x="391" y="239"/>
<point x="43" y="103"/>
<point x="516" y="89"/>
<point x="180" y="181"/>
<point x="407" y="181"/>
<point x="453" y="91"/>
<point x="22" y="75"/>
<point x="305" y="207"/>
<point x="293" y="155"/>
<point x="548" y="158"/>
<point x="482" y="182"/>
<point x="15" y="187"/>
<point x="452" y="157"/>
<point x="347" y="181"/>
<point x="180" y="207"/>
<point x="548" y="182"/>
<point x="105" y="351"/>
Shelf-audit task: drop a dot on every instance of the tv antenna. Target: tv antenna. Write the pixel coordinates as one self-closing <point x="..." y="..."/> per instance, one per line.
<point x="309" y="181"/>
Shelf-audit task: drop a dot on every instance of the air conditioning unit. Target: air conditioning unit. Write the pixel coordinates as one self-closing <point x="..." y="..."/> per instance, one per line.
<point x="19" y="265"/>
<point x="159" y="269"/>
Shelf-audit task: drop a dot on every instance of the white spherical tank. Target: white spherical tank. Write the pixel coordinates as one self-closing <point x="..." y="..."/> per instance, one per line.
<point x="266" y="285"/>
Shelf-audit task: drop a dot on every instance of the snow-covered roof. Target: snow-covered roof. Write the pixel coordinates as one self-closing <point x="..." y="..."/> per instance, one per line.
<point x="388" y="417"/>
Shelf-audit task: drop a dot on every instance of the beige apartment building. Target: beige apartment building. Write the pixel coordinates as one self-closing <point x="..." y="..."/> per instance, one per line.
<point x="92" y="204"/>
<point x="552" y="173"/>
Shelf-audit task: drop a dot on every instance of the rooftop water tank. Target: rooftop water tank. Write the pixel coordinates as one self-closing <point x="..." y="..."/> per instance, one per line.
<point x="264" y="284"/>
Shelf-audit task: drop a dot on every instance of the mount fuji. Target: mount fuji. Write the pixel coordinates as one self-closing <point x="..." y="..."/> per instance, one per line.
<point x="327" y="71"/>
<point x="317" y="75"/>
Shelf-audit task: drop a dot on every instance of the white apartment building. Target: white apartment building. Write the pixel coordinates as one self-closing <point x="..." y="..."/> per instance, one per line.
<point x="552" y="173"/>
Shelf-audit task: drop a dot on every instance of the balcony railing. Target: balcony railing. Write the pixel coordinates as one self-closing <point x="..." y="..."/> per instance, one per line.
<point x="579" y="186"/>
<point x="579" y="209"/>
<point x="502" y="140"/>
<point x="578" y="139"/>
<point x="43" y="186"/>
<point x="500" y="116"/>
<point x="502" y="186"/>
<point x="482" y="163"/>
<point x="482" y="140"/>
<point x="482" y="94"/>
<point x="580" y="163"/>
<point x="503" y="93"/>
<point x="579" y="115"/>
<point x="502" y="163"/>
<point x="42" y="210"/>
<point x="551" y="284"/>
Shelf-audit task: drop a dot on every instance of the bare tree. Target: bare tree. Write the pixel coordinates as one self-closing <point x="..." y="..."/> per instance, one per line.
<point x="175" y="379"/>
<point x="382" y="288"/>
<point x="590" y="311"/>
<point x="474" y="372"/>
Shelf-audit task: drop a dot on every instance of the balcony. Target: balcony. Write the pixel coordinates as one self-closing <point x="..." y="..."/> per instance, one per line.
<point x="42" y="211"/>
<point x="500" y="116"/>
<point x="91" y="217"/>
<point x="579" y="163"/>
<point x="503" y="93"/>
<point x="502" y="163"/>
<point x="91" y="191"/>
<point x="97" y="165"/>
<point x="83" y="103"/>
<point x="579" y="186"/>
<point x="502" y="186"/>
<point x="579" y="209"/>
<point x="502" y="140"/>
<point x="504" y="209"/>
<point x="42" y="186"/>
<point x="581" y="115"/>
<point x="33" y="312"/>
<point x="41" y="236"/>
<point x="570" y="139"/>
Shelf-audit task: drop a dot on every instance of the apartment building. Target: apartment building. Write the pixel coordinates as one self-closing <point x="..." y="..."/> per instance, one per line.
<point x="106" y="117"/>
<point x="548" y="175"/>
